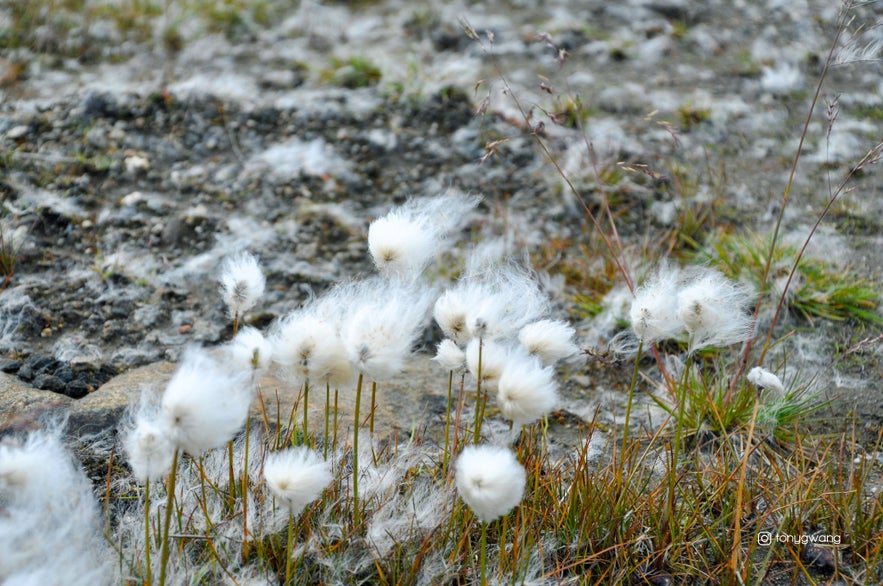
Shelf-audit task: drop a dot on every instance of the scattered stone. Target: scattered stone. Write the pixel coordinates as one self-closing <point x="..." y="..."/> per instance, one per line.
<point x="17" y="132"/>
<point x="9" y="365"/>
<point x="821" y="558"/>
<point x="49" y="382"/>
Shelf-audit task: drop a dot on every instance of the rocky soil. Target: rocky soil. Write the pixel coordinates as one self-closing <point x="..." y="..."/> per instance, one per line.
<point x="130" y="167"/>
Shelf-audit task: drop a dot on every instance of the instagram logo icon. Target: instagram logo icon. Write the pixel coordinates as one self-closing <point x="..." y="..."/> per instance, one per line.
<point x="764" y="538"/>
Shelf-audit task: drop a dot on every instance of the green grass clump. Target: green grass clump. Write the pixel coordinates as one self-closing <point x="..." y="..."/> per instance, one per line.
<point x="352" y="73"/>
<point x="817" y="289"/>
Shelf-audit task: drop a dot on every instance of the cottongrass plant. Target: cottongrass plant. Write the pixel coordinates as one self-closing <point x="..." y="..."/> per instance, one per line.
<point x="242" y="284"/>
<point x="383" y="321"/>
<point x="308" y="347"/>
<point x="491" y="481"/>
<point x="296" y="477"/>
<point x="202" y="408"/>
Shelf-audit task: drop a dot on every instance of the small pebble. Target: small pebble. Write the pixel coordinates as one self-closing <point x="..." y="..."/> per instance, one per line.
<point x="17" y="132"/>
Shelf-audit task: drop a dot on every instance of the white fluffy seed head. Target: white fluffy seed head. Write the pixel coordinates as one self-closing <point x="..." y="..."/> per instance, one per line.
<point x="205" y="404"/>
<point x="242" y="283"/>
<point x="766" y="380"/>
<point x="527" y="391"/>
<point x="400" y="243"/>
<point x="550" y="340"/>
<point x="35" y="469"/>
<point x="50" y="528"/>
<point x="148" y="443"/>
<point x="490" y="481"/>
<point x="297" y="477"/>
<point x="309" y="347"/>
<point x="654" y="311"/>
<point x="450" y="356"/>
<point x="509" y="298"/>
<point x="406" y="239"/>
<point x="451" y="309"/>
<point x="249" y="351"/>
<point x="383" y="324"/>
<point x="493" y="358"/>
<point x="713" y="310"/>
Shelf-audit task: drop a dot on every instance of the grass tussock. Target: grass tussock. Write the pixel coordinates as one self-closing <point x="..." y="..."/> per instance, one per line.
<point x="816" y="289"/>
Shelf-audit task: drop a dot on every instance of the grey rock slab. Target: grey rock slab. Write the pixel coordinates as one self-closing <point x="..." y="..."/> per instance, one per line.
<point x="21" y="405"/>
<point x="102" y="409"/>
<point x="411" y="400"/>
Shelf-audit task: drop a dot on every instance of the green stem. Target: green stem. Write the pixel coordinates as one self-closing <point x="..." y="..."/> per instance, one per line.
<point x="334" y="438"/>
<point x="244" y="479"/>
<point x="628" y="407"/>
<point x="447" y="456"/>
<point x="373" y="406"/>
<point x="231" y="497"/>
<point x="288" y="565"/>
<point x="306" y="404"/>
<point x="479" y="408"/>
<point x="356" y="515"/>
<point x="327" y="412"/>
<point x="149" y="580"/>
<point x="167" y="522"/>
<point x="483" y="555"/>
<point x="681" y="394"/>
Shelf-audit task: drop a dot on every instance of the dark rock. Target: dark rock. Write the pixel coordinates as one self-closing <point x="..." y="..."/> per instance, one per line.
<point x="77" y="389"/>
<point x="821" y="558"/>
<point x="9" y="365"/>
<point x="64" y="373"/>
<point x="99" y="105"/>
<point x="35" y="365"/>
<point x="49" y="382"/>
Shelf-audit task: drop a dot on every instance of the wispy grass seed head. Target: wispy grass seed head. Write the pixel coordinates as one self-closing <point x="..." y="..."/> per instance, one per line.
<point x="310" y="348"/>
<point x="49" y="525"/>
<point x="452" y="307"/>
<point x="205" y="404"/>
<point x="510" y="299"/>
<point x="450" y="356"/>
<point x="249" y="351"/>
<point x="149" y="446"/>
<point x="654" y="311"/>
<point x="406" y="239"/>
<point x="766" y="380"/>
<point x="492" y="358"/>
<point x="242" y="283"/>
<point x="527" y="390"/>
<point x="490" y="481"/>
<point x="383" y="324"/>
<point x="296" y="477"/>
<point x="550" y="340"/>
<point x="713" y="310"/>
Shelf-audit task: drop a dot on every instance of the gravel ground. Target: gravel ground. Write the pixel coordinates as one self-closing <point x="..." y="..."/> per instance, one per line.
<point x="130" y="167"/>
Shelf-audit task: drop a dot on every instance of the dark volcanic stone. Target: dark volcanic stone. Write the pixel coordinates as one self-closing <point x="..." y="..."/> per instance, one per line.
<point x="36" y="365"/>
<point x="49" y="382"/>
<point x="9" y="365"/>
<point x="77" y="389"/>
<point x="100" y="105"/>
